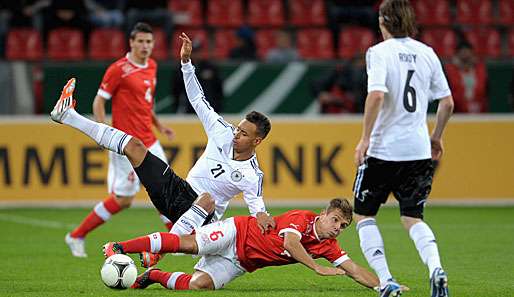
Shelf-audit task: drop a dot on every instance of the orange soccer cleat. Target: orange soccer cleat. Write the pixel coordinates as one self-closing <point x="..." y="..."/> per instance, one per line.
<point x="150" y="259"/>
<point x="65" y="101"/>
<point x="112" y="248"/>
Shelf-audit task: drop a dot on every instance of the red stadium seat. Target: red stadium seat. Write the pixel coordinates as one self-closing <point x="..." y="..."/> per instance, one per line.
<point x="485" y="41"/>
<point x="354" y="40"/>
<point x="443" y="41"/>
<point x="315" y="44"/>
<point x="198" y="36"/>
<point x="265" y="13"/>
<point x="106" y="44"/>
<point x="224" y="41"/>
<point x="189" y="10"/>
<point x="307" y="13"/>
<point x="265" y="40"/>
<point x="434" y="12"/>
<point x="66" y="44"/>
<point x="506" y="8"/>
<point x="474" y="12"/>
<point x="160" y="50"/>
<point x="225" y="13"/>
<point x="511" y="43"/>
<point x="24" y="44"/>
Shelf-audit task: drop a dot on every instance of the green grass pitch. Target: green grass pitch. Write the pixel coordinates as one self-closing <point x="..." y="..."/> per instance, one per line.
<point x="476" y="246"/>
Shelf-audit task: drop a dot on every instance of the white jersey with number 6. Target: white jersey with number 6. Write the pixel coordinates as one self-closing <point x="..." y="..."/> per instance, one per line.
<point x="410" y="74"/>
<point x="216" y="172"/>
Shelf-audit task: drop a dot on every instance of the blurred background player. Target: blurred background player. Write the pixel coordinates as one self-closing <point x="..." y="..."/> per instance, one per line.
<point x="236" y="245"/>
<point x="395" y="151"/>
<point x="130" y="84"/>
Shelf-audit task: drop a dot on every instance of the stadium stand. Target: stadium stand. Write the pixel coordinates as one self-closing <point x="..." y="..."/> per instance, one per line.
<point x="265" y="40"/>
<point x="474" y="12"/>
<point x="442" y="40"/>
<point x="224" y="41"/>
<point x="307" y="13"/>
<point x="315" y="44"/>
<point x="354" y="40"/>
<point x="200" y="43"/>
<point x="266" y="13"/>
<point x="432" y="13"/>
<point x="66" y="44"/>
<point x="24" y="44"/>
<point x="106" y="44"/>
<point x="189" y="10"/>
<point x="225" y="13"/>
<point x="506" y="12"/>
<point x="485" y="41"/>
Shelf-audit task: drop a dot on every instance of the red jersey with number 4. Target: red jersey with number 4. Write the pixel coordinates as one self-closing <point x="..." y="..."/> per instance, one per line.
<point x="256" y="250"/>
<point x="131" y="87"/>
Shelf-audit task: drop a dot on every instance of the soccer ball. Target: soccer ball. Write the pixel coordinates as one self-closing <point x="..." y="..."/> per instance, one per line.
<point x="118" y="272"/>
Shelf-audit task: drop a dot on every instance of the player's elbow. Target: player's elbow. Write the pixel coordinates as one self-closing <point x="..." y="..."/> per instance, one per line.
<point x="447" y="104"/>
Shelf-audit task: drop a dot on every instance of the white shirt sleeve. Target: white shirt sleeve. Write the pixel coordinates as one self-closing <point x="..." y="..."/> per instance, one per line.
<point x="253" y="196"/>
<point x="377" y="71"/>
<point x="438" y="83"/>
<point x="212" y="122"/>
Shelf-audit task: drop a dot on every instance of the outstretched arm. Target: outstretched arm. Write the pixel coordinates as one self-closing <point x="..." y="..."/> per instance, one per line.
<point x="360" y="274"/>
<point x="293" y="246"/>
<point x="210" y="119"/>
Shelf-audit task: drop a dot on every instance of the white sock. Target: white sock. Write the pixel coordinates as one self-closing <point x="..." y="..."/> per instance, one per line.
<point x="192" y="219"/>
<point x="106" y="136"/>
<point x="426" y="245"/>
<point x="372" y="247"/>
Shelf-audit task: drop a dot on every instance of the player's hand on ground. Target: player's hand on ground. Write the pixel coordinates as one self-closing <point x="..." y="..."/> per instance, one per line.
<point x="265" y="222"/>
<point x="170" y="134"/>
<point x="186" y="49"/>
<point x="437" y="148"/>
<point x="404" y="288"/>
<point x="360" y="151"/>
<point x="329" y="271"/>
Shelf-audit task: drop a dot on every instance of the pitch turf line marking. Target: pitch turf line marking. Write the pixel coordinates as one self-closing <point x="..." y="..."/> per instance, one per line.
<point x="35" y="222"/>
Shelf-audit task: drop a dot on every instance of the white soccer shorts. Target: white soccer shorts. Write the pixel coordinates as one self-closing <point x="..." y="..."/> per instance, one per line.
<point x="122" y="180"/>
<point x="217" y="244"/>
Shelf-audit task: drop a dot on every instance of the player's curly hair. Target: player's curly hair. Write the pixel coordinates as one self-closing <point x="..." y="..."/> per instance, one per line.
<point x="399" y="18"/>
<point x="140" y="27"/>
<point x="343" y="205"/>
<point x="261" y="121"/>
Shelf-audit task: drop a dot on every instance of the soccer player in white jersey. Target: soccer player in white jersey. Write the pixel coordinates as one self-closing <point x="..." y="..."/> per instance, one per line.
<point x="395" y="152"/>
<point x="227" y="167"/>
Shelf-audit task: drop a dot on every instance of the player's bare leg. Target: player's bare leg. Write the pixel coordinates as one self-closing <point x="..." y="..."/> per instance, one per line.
<point x="424" y="240"/>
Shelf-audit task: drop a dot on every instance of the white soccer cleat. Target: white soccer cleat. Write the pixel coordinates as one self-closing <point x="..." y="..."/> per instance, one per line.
<point x="76" y="245"/>
<point x="65" y="102"/>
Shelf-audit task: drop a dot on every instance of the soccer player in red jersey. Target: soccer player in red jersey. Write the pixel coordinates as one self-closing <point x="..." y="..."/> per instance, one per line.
<point x="130" y="85"/>
<point x="231" y="247"/>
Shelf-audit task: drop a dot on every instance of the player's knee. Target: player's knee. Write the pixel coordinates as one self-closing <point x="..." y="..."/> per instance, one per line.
<point x="201" y="281"/>
<point x="124" y="201"/>
<point x="135" y="149"/>
<point x="408" y="222"/>
<point x="206" y="202"/>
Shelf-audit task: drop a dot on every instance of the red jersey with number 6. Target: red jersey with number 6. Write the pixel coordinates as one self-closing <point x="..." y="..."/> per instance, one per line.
<point x="256" y="250"/>
<point x="131" y="87"/>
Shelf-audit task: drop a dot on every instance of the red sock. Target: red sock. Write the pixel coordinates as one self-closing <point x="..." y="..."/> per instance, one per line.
<point x="166" y="221"/>
<point x="179" y="280"/>
<point x="168" y="242"/>
<point x="101" y="213"/>
<point x="182" y="282"/>
<point x="160" y="277"/>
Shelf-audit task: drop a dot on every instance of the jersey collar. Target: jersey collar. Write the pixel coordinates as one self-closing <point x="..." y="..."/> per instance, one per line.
<point x="136" y="64"/>
<point x="314" y="228"/>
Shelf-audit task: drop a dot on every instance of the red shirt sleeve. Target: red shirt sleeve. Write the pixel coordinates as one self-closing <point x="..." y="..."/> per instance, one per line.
<point x="333" y="252"/>
<point x="294" y="222"/>
<point x="110" y="82"/>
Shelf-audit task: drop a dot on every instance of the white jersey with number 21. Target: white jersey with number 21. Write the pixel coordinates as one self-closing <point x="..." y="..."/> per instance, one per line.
<point x="410" y="75"/>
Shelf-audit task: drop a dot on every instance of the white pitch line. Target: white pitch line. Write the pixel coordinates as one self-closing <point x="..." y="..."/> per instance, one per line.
<point x="35" y="222"/>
